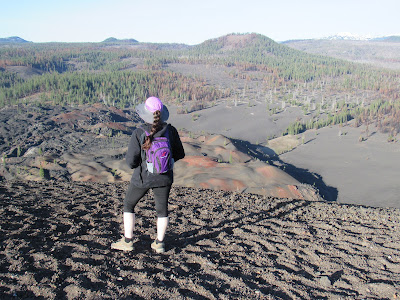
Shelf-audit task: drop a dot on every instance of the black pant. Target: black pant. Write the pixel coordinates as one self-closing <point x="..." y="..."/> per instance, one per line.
<point x="161" y="195"/>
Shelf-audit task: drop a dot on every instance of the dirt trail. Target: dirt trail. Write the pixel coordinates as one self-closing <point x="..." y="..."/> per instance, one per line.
<point x="56" y="236"/>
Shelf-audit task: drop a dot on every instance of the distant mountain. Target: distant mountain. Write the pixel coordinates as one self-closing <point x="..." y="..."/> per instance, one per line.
<point x="348" y="36"/>
<point x="380" y="52"/>
<point x="391" y="39"/>
<point x="124" y="41"/>
<point x="13" y="40"/>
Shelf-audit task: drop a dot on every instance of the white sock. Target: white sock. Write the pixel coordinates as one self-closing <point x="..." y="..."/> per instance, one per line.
<point x="162" y="224"/>
<point x="129" y="224"/>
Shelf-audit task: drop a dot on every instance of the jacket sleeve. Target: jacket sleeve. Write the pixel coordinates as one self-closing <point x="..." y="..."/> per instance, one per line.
<point x="177" y="148"/>
<point x="133" y="156"/>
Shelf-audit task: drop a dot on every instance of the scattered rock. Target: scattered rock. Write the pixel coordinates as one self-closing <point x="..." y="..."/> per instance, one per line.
<point x="219" y="244"/>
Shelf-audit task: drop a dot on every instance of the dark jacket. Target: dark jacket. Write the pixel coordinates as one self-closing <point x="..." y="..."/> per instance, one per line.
<point x="141" y="177"/>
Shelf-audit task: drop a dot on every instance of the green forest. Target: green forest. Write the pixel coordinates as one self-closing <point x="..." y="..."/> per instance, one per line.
<point x="123" y="75"/>
<point x="122" y="89"/>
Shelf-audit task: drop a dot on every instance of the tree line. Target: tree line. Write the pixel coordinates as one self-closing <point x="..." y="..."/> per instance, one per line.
<point x="122" y="88"/>
<point x="384" y="114"/>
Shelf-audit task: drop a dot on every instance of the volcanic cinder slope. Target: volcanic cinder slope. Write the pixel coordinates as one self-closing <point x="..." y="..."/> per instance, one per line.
<point x="81" y="144"/>
<point x="56" y="236"/>
<point x="214" y="162"/>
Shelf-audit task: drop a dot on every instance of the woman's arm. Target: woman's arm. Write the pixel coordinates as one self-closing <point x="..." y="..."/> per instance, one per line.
<point x="177" y="148"/>
<point x="133" y="156"/>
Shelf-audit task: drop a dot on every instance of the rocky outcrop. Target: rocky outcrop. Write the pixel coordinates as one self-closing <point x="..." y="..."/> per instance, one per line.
<point x="214" y="162"/>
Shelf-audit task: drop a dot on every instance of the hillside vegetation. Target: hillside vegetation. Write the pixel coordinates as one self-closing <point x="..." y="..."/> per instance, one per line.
<point x="123" y="73"/>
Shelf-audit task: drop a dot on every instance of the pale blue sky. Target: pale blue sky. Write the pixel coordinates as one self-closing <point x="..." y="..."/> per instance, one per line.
<point x="192" y="22"/>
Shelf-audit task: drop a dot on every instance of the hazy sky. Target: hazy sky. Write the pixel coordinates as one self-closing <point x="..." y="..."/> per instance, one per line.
<point x="193" y="21"/>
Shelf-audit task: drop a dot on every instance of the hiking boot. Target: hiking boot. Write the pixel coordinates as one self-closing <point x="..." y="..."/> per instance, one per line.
<point x="122" y="245"/>
<point x="158" y="246"/>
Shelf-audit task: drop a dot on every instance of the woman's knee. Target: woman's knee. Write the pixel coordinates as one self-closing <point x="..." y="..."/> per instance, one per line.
<point x="161" y="196"/>
<point x="162" y="212"/>
<point x="132" y="197"/>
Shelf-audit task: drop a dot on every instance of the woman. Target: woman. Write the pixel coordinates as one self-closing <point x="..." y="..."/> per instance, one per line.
<point x="155" y="115"/>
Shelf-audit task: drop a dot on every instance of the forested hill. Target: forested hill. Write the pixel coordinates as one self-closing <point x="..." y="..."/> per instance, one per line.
<point x="243" y="52"/>
<point x="393" y="39"/>
<point x="235" y="42"/>
<point x="13" y="40"/>
<point x="258" y="52"/>
<point x="248" y="52"/>
<point x="122" y="71"/>
<point x="114" y="40"/>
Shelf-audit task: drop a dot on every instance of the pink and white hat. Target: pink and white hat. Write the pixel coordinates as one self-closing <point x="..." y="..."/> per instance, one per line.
<point x="145" y="110"/>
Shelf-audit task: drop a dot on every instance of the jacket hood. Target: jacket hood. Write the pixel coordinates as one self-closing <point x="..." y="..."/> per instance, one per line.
<point x="161" y="132"/>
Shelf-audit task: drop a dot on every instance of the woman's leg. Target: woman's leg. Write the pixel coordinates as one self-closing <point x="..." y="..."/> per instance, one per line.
<point x="162" y="224"/>
<point x="161" y="195"/>
<point x="129" y="224"/>
<point x="133" y="195"/>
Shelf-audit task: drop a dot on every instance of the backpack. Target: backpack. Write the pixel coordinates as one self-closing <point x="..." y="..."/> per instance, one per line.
<point x="159" y="156"/>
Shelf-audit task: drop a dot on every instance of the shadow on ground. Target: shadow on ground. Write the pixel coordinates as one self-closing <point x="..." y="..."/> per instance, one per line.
<point x="305" y="176"/>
